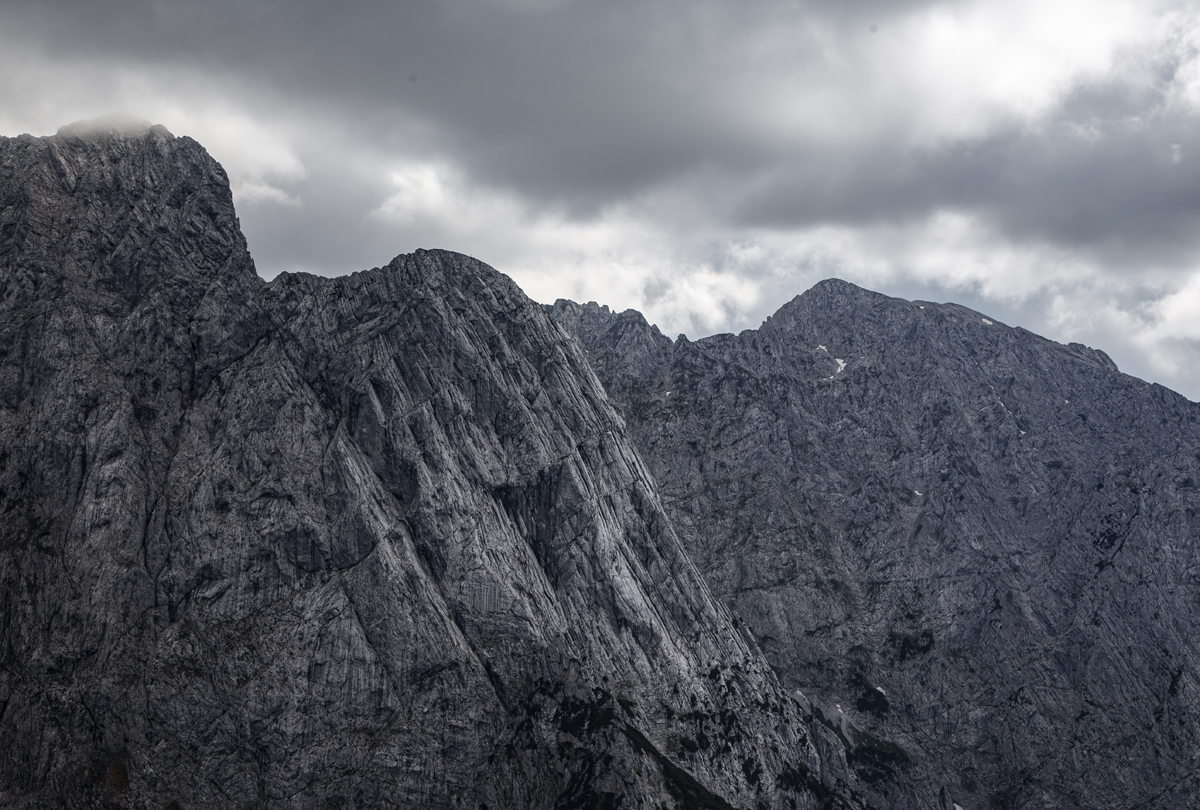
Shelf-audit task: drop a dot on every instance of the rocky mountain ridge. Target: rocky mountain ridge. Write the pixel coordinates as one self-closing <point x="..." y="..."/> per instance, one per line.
<point x="975" y="543"/>
<point x="373" y="541"/>
<point x="404" y="538"/>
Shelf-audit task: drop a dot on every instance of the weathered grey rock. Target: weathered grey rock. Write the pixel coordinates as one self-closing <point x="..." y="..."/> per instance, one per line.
<point x="375" y="541"/>
<point x="976" y="544"/>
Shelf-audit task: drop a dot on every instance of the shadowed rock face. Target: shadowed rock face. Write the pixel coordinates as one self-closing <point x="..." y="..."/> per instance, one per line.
<point x="371" y="541"/>
<point x="984" y="546"/>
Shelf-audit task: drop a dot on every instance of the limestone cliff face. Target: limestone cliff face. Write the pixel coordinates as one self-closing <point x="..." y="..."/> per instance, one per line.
<point x="961" y="538"/>
<point x="374" y="541"/>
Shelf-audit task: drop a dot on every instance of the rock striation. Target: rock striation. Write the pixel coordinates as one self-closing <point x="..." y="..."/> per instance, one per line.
<point x="373" y="541"/>
<point x="974" y="545"/>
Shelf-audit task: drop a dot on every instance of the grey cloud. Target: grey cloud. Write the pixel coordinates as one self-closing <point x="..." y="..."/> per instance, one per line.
<point x="1115" y="188"/>
<point x="576" y="106"/>
<point x="340" y="238"/>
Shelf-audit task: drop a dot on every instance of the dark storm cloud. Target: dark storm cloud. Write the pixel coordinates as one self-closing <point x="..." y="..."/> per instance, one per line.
<point x="575" y="103"/>
<point x="1095" y="177"/>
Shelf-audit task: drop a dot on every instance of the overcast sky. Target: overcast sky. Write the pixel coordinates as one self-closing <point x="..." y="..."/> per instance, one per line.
<point x="701" y="161"/>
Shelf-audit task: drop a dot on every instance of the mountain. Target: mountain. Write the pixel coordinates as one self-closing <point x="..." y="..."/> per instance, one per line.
<point x="373" y="541"/>
<point x="977" y="544"/>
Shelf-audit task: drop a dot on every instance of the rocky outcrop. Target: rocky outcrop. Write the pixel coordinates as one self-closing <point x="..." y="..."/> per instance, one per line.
<point x="960" y="538"/>
<point x="374" y="541"/>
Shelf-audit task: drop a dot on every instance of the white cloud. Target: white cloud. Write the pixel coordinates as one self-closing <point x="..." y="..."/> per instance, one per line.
<point x="1176" y="316"/>
<point x="972" y="64"/>
<point x="943" y="71"/>
<point x="1180" y="36"/>
<point x="248" y="191"/>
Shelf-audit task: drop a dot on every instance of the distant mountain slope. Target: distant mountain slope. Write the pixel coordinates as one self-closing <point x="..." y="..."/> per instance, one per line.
<point x="983" y="545"/>
<point x="375" y="541"/>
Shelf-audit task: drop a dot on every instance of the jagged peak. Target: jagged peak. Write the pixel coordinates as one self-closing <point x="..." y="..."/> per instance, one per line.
<point x="159" y="211"/>
<point x="629" y="327"/>
<point x="591" y="307"/>
<point x="836" y="286"/>
<point x="836" y="291"/>
<point x="593" y="310"/>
